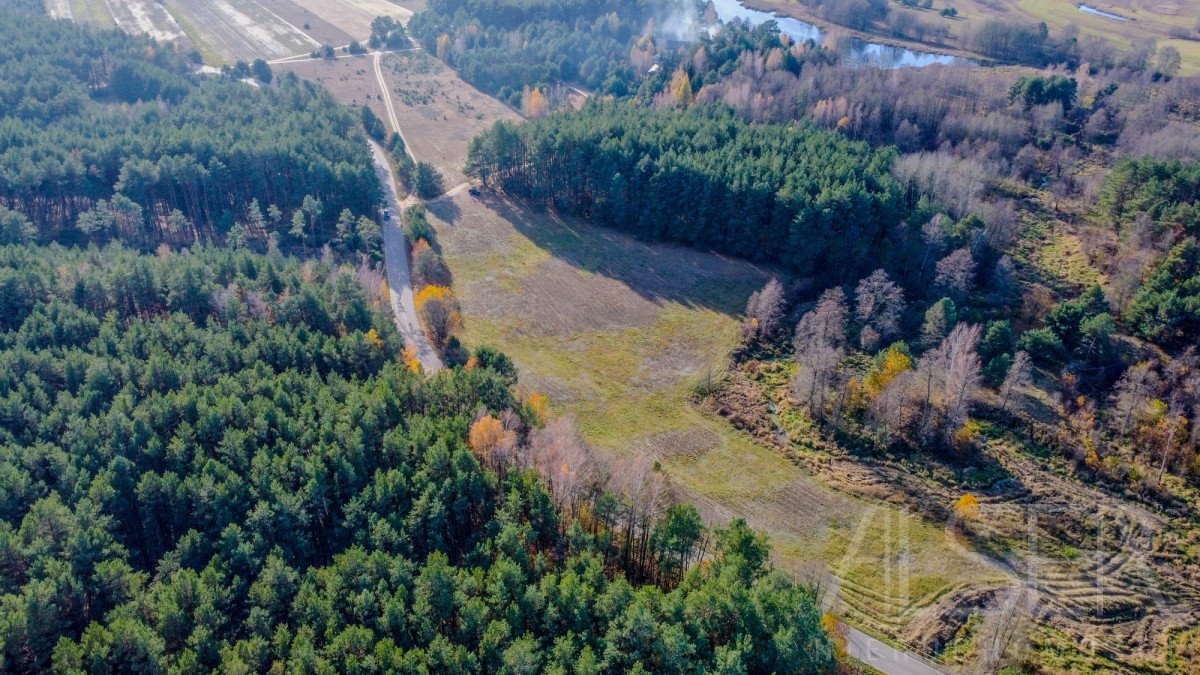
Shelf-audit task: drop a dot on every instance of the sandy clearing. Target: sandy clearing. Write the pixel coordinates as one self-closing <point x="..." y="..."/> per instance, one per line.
<point x="145" y="16"/>
<point x="58" y="9"/>
<point x="354" y="16"/>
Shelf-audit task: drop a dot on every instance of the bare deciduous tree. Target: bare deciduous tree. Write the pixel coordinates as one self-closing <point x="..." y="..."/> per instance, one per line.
<point x="1003" y="281"/>
<point x="892" y="409"/>
<point x="963" y="372"/>
<point x="820" y="337"/>
<point x="1003" y="225"/>
<point x="764" y="310"/>
<point x="1019" y="375"/>
<point x="954" y="181"/>
<point x="956" y="274"/>
<point x="1132" y="393"/>
<point x="562" y="458"/>
<point x="878" y="305"/>
<point x="825" y="324"/>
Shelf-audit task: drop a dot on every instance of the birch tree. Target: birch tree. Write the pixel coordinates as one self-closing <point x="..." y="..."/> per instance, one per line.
<point x="878" y="306"/>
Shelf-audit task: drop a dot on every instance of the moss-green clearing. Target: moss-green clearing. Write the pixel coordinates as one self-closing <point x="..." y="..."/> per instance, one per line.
<point x="1062" y="259"/>
<point x="93" y="12"/>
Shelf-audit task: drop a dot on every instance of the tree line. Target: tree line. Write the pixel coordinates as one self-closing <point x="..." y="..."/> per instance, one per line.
<point x="796" y="195"/>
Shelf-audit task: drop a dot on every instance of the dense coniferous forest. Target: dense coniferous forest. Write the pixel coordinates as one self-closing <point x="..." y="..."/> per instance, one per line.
<point x="214" y="462"/>
<point x="587" y="42"/>
<point x="107" y="136"/>
<point x="796" y="195"/>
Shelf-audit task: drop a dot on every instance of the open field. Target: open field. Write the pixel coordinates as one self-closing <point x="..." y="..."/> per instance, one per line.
<point x="352" y="17"/>
<point x="145" y="16"/>
<point x="229" y="30"/>
<point x="618" y="332"/>
<point x="351" y="80"/>
<point x="94" y="12"/>
<point x="243" y="32"/>
<point x="321" y="27"/>
<point x="1170" y="22"/>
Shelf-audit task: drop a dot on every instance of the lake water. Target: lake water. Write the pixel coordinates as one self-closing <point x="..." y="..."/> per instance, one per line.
<point x="860" y="52"/>
<point x="1100" y="12"/>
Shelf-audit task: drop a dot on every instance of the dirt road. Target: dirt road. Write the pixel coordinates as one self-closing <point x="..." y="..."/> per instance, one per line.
<point x="391" y="107"/>
<point x="399" y="280"/>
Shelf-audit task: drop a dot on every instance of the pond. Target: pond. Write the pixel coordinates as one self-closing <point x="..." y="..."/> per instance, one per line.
<point x="860" y="52"/>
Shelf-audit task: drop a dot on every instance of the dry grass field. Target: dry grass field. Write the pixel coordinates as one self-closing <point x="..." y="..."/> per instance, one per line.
<point x="351" y="17"/>
<point x="1170" y="22"/>
<point x="324" y="28"/>
<point x="145" y="16"/>
<point x="439" y="113"/>
<point x="351" y="80"/>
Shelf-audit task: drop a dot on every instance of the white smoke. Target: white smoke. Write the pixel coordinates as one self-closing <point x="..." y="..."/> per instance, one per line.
<point x="679" y="20"/>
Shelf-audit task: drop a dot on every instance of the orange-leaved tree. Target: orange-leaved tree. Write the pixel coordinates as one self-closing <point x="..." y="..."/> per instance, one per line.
<point x="540" y="406"/>
<point x="489" y="440"/>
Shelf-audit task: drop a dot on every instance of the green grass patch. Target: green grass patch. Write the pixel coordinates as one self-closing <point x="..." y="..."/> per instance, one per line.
<point x="93" y="12"/>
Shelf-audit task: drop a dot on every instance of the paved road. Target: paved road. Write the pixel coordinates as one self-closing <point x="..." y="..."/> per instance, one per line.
<point x="399" y="280"/>
<point x="884" y="657"/>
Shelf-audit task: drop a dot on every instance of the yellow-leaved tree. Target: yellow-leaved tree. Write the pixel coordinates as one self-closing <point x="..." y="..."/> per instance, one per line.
<point x="681" y="88"/>
<point x="438" y="309"/>
<point x="967" y="436"/>
<point x="409" y="356"/>
<point x="534" y="103"/>
<point x="833" y="626"/>
<point x="967" y="507"/>
<point x="893" y="363"/>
